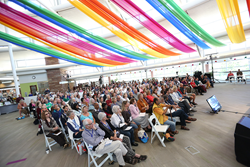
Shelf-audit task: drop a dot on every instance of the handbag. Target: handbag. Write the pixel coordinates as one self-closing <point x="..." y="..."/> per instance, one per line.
<point x="143" y="136"/>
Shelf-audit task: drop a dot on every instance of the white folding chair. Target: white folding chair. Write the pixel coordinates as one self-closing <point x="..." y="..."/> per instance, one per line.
<point x="63" y="130"/>
<point x="231" y="79"/>
<point x="48" y="144"/>
<point x="157" y="128"/>
<point x="92" y="157"/>
<point x="73" y="143"/>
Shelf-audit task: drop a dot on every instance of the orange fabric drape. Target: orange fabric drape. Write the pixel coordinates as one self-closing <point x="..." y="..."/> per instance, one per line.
<point x="104" y="12"/>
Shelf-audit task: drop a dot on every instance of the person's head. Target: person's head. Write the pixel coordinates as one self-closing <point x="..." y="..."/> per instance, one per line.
<point x="118" y="98"/>
<point x="116" y="109"/>
<point x="148" y="92"/>
<point x="104" y="106"/>
<point x="132" y="101"/>
<point x="174" y="89"/>
<point x="113" y="100"/>
<point x="230" y="72"/>
<point x="181" y="85"/>
<point x="135" y="91"/>
<point x="125" y="105"/>
<point x="45" y="114"/>
<point x="165" y="97"/>
<point x="96" y="105"/>
<point x="125" y="95"/>
<point x="102" y="116"/>
<point x="56" y="107"/>
<point x="239" y="70"/>
<point x="171" y="90"/>
<point x="161" y="99"/>
<point x="70" y="114"/>
<point x="140" y="96"/>
<point x="108" y="97"/>
<point x="65" y="109"/>
<point x="156" y="101"/>
<point x="88" y="124"/>
<point x="85" y="109"/>
<point x="19" y="95"/>
<point x="196" y="79"/>
<point x="31" y="101"/>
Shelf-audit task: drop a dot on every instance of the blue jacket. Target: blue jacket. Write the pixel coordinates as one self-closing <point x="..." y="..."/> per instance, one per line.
<point x="56" y="115"/>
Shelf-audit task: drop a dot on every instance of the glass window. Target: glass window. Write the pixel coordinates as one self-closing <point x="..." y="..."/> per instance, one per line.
<point x="21" y="63"/>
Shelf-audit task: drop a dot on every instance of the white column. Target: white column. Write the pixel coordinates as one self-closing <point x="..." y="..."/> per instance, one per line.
<point x="12" y="64"/>
<point x="202" y="65"/>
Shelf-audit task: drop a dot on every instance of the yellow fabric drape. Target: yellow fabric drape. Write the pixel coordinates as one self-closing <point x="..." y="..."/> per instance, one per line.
<point x="116" y="31"/>
<point x="55" y="47"/>
<point x="230" y="14"/>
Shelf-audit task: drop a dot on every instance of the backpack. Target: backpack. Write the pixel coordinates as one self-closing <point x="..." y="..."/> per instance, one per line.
<point x="143" y="136"/>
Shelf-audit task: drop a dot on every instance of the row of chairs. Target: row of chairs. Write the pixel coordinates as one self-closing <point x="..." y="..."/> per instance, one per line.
<point x="93" y="156"/>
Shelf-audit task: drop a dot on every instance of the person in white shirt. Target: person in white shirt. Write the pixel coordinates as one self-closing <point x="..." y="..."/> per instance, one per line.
<point x="119" y="123"/>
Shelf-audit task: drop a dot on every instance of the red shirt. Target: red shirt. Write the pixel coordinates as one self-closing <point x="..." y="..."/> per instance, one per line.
<point x="230" y="74"/>
<point x="193" y="84"/>
<point x="109" y="102"/>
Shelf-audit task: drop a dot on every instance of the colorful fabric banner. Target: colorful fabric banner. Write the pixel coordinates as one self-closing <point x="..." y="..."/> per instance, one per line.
<point x="248" y="6"/>
<point x="115" y="30"/>
<point x="79" y="31"/>
<point x="230" y="13"/>
<point x="28" y="45"/>
<point x="189" y="22"/>
<point x="148" y="22"/>
<point x="115" y="20"/>
<point x="51" y="35"/>
<point x="175" y="22"/>
<point x="57" y="48"/>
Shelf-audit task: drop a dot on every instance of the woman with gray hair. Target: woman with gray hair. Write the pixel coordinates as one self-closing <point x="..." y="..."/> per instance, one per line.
<point x="112" y="134"/>
<point x="119" y="123"/>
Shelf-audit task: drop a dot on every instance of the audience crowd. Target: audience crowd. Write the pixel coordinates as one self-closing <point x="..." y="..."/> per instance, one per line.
<point x="110" y="116"/>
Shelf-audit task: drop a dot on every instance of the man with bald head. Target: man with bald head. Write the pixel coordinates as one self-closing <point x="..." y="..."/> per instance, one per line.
<point x="94" y="137"/>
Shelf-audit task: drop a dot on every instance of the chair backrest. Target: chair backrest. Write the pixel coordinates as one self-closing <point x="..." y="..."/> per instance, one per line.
<point x="61" y="124"/>
<point x="151" y="118"/>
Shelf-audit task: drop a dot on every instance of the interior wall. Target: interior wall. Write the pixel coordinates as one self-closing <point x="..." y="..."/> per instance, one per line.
<point x="25" y="88"/>
<point x="33" y="78"/>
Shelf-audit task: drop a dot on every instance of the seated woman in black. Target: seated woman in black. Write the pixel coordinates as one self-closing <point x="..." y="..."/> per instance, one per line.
<point x="112" y="134"/>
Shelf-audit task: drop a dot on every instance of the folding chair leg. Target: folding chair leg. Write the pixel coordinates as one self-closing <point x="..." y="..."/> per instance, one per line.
<point x="162" y="140"/>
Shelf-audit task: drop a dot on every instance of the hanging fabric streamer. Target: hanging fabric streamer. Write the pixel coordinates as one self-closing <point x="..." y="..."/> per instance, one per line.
<point x="171" y="6"/>
<point x="115" y="30"/>
<point x="37" y="48"/>
<point x="57" y="48"/>
<point x="108" y="15"/>
<point x="56" y="37"/>
<point x="248" y="6"/>
<point x="230" y="13"/>
<point x="148" y="22"/>
<point x="78" y="30"/>
<point x="175" y="22"/>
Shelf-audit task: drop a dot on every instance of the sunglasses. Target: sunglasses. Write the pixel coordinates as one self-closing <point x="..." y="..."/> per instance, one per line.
<point x="47" y="114"/>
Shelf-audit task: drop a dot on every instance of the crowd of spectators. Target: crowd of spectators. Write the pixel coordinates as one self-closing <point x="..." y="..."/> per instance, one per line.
<point x="117" y="111"/>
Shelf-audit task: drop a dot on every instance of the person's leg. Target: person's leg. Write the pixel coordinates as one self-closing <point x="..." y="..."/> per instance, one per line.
<point x="132" y="137"/>
<point x="126" y="140"/>
<point x="20" y="113"/>
<point x="127" y="133"/>
<point x="134" y="126"/>
<point x="193" y="97"/>
<point x="170" y="123"/>
<point x="58" y="139"/>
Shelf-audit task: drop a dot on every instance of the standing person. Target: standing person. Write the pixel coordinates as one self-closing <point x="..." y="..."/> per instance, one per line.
<point x="51" y="129"/>
<point x="100" y="81"/>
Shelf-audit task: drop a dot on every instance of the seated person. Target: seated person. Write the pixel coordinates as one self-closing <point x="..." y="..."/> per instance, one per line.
<point x="84" y="103"/>
<point x="239" y="75"/>
<point x="196" y="85"/>
<point x="142" y="104"/>
<point x="107" y="110"/>
<point x="127" y="114"/>
<point x="93" y="135"/>
<point x="75" y="126"/>
<point x="112" y="134"/>
<point x="22" y="107"/>
<point x="229" y="76"/>
<point x="178" y="113"/>
<point x="96" y="112"/>
<point x="205" y="81"/>
<point x="211" y="82"/>
<point x="183" y="92"/>
<point x="51" y="128"/>
<point x="135" y="113"/>
<point x="147" y="100"/>
<point x="56" y="114"/>
<point x="64" y="118"/>
<point x="119" y="101"/>
<point x="86" y="115"/>
<point x="32" y="107"/>
<point x="75" y="105"/>
<point x="91" y="104"/>
<point x="119" y="123"/>
<point x="114" y="102"/>
<point x="162" y="117"/>
<point x="30" y="94"/>
<point x="108" y="100"/>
